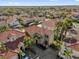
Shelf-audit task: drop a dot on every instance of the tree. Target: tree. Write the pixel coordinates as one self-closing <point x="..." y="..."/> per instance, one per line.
<point x="37" y="37"/>
<point x="68" y="23"/>
<point x="3" y="28"/>
<point x="21" y="54"/>
<point x="27" y="42"/>
<point x="36" y="22"/>
<point x="77" y="21"/>
<point x="58" y="32"/>
<point x="67" y="52"/>
<point x="61" y="28"/>
<point x="2" y="47"/>
<point x="21" y="22"/>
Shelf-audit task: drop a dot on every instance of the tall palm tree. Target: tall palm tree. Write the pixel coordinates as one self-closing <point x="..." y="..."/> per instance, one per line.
<point x="59" y="29"/>
<point x="58" y="34"/>
<point x="67" y="25"/>
<point x="62" y="27"/>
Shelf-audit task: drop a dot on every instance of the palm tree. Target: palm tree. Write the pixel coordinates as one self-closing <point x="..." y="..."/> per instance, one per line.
<point x="67" y="25"/>
<point x="59" y="30"/>
<point x="61" y="27"/>
<point x="58" y="34"/>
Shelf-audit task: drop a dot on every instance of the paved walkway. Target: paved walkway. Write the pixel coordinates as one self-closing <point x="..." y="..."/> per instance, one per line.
<point x="46" y="54"/>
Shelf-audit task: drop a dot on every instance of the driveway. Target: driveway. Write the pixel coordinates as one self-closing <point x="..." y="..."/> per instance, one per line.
<point x="46" y="54"/>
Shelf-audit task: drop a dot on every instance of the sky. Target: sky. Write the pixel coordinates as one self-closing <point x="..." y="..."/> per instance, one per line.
<point x="38" y="2"/>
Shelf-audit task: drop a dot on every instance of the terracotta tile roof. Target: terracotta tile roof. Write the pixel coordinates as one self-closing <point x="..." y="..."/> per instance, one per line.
<point x="49" y="24"/>
<point x="34" y="29"/>
<point x="9" y="54"/>
<point x="4" y="35"/>
<point x="12" y="45"/>
<point x="74" y="46"/>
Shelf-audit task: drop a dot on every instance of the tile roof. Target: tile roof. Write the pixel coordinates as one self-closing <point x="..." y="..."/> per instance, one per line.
<point x="74" y="46"/>
<point x="4" y="35"/>
<point x="14" y="45"/>
<point x="34" y="29"/>
<point x="50" y="24"/>
<point x="9" y="54"/>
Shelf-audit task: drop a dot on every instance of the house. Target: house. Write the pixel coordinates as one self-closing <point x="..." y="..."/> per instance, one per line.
<point x="4" y="36"/>
<point x="45" y="34"/>
<point x="72" y="49"/>
<point x="9" y="55"/>
<point x="75" y="46"/>
<point x="72" y="43"/>
<point x="15" y="24"/>
<point x="44" y="29"/>
<point x="11" y="39"/>
<point x="74" y="16"/>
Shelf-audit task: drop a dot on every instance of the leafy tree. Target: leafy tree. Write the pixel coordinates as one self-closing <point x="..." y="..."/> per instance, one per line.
<point x="2" y="46"/>
<point x="3" y="28"/>
<point x="36" y="22"/>
<point x="21" y="22"/>
<point x="27" y="41"/>
<point x="77" y="21"/>
<point x="37" y="37"/>
<point x="21" y="54"/>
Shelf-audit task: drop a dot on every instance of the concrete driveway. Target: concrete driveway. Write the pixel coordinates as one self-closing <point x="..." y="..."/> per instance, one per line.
<point x="46" y="54"/>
